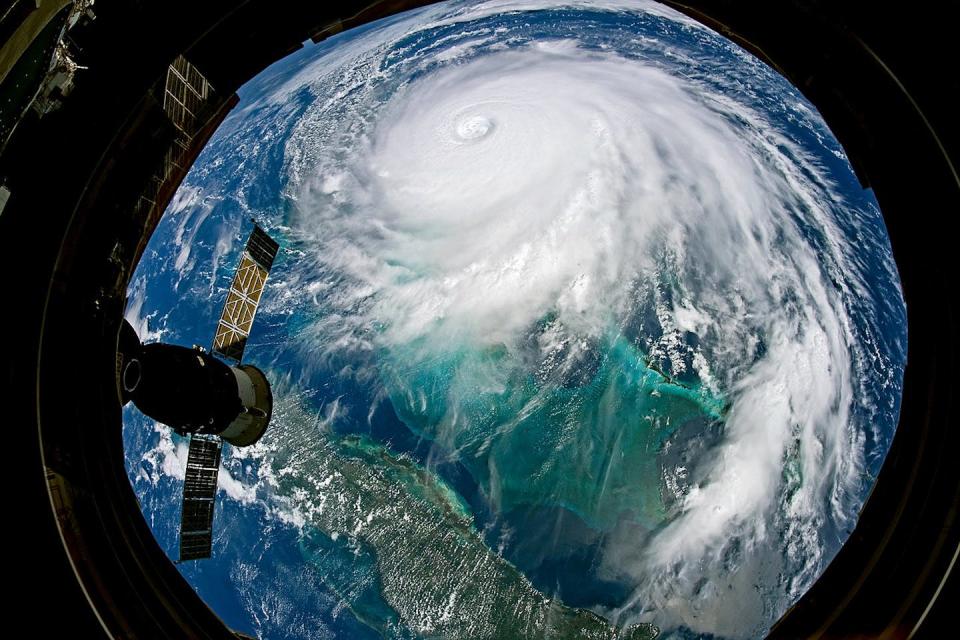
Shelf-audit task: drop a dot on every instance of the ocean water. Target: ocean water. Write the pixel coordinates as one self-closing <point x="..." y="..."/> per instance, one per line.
<point x="580" y="320"/>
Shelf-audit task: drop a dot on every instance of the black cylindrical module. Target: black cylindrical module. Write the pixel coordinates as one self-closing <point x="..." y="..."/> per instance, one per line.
<point x="128" y="361"/>
<point x="187" y="389"/>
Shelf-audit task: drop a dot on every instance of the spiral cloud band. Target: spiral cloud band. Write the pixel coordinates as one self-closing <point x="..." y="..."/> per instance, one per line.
<point x="616" y="278"/>
<point x="499" y="186"/>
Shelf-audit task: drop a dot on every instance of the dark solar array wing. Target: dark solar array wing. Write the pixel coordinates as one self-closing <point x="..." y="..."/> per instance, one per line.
<point x="244" y="295"/>
<point x="262" y="248"/>
<point x="199" y="494"/>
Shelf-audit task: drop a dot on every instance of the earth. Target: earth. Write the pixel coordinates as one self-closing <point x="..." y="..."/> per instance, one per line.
<point x="581" y="327"/>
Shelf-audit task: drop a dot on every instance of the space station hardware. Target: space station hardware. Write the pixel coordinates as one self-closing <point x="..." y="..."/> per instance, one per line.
<point x="209" y="396"/>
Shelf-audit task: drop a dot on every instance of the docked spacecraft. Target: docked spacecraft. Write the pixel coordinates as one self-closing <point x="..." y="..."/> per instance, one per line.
<point x="209" y="396"/>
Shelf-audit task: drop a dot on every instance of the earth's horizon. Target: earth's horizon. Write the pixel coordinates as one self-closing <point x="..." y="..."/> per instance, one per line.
<point x="581" y="327"/>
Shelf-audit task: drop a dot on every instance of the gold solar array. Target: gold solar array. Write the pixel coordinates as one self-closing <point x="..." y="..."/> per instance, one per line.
<point x="203" y="460"/>
<point x="244" y="296"/>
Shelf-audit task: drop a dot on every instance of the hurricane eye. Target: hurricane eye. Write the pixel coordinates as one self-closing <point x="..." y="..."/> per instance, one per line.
<point x="474" y="128"/>
<point x="583" y="322"/>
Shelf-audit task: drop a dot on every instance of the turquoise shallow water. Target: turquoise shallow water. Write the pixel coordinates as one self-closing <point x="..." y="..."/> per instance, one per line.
<point x="350" y="570"/>
<point x="495" y="471"/>
<point x="389" y="539"/>
<point x="530" y="440"/>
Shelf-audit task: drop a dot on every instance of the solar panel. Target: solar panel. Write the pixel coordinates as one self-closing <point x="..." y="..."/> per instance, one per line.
<point x="199" y="495"/>
<point x="244" y="295"/>
<point x="262" y="247"/>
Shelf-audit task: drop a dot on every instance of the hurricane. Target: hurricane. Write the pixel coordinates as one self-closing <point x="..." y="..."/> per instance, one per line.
<point x="584" y="287"/>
